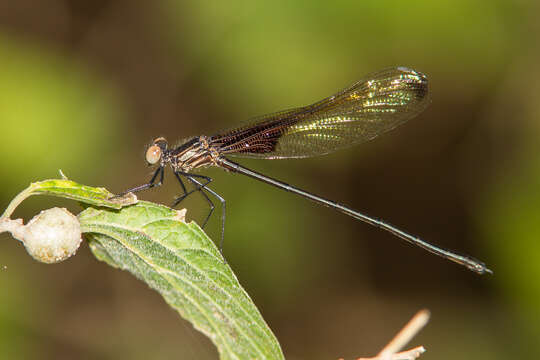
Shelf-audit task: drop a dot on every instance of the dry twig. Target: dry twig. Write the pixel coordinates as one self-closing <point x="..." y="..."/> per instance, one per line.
<point x="391" y="350"/>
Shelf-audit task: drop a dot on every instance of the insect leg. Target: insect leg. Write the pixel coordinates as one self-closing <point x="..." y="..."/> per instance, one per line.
<point x="148" y="185"/>
<point x="202" y="188"/>
<point x="198" y="186"/>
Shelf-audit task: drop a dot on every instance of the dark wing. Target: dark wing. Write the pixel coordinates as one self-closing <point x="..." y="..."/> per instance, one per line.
<point x="372" y="106"/>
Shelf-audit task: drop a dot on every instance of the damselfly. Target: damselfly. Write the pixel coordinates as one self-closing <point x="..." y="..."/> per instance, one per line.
<point x="368" y="108"/>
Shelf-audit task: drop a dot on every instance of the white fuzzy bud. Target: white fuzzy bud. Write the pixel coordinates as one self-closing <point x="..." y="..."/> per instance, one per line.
<point x="51" y="236"/>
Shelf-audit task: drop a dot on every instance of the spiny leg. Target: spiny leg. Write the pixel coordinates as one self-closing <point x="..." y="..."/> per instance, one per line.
<point x="202" y="189"/>
<point x="200" y="185"/>
<point x="148" y="185"/>
<point x="197" y="186"/>
<point x="184" y="195"/>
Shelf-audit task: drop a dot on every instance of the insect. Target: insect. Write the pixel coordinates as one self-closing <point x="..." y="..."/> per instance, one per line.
<point x="372" y="106"/>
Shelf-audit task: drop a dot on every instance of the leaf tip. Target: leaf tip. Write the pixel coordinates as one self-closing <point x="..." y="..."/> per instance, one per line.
<point x="181" y="215"/>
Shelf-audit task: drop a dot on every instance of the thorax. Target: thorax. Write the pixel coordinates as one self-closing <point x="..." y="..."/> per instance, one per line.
<point x="194" y="153"/>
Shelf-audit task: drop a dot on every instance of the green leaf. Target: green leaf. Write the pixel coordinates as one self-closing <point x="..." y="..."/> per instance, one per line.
<point x="177" y="259"/>
<point x="180" y="262"/>
<point x="71" y="190"/>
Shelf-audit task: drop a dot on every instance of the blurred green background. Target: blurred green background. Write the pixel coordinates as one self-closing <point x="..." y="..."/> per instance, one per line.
<point x="86" y="85"/>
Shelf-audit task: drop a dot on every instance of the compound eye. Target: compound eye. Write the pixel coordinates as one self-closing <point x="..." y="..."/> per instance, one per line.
<point x="153" y="154"/>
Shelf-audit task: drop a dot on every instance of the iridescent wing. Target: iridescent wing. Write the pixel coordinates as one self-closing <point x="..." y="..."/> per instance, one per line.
<point x="372" y="106"/>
